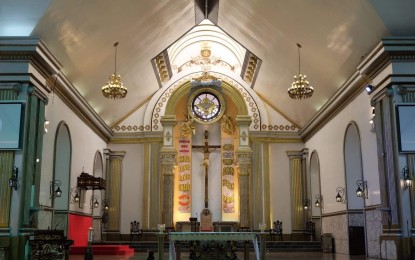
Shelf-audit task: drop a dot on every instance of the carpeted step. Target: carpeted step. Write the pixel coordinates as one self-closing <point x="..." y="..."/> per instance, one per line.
<point x="103" y="250"/>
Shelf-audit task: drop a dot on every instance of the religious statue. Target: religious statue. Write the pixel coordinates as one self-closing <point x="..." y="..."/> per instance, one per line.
<point x="227" y="125"/>
<point x="207" y="149"/>
<point x="187" y="126"/>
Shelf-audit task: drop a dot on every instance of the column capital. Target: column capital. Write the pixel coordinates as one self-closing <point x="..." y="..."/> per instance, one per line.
<point x="295" y="154"/>
<point x="168" y="156"/>
<point x="243" y="120"/>
<point x="113" y="154"/>
<point x="168" y="120"/>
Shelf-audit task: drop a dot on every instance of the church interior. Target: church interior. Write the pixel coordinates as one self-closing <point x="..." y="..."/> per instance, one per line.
<point x="152" y="122"/>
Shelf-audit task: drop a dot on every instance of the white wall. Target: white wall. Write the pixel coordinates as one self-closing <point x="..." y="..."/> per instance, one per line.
<point x="280" y="182"/>
<point x="328" y="142"/>
<point x="85" y="143"/>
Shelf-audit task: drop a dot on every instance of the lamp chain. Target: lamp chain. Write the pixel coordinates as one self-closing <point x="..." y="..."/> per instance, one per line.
<point x="115" y="69"/>
<point x="299" y="59"/>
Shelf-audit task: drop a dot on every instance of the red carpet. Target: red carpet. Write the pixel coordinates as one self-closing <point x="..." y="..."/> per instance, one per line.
<point x="103" y="250"/>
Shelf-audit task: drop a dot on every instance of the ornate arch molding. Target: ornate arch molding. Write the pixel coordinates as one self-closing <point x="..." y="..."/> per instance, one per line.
<point x="314" y="154"/>
<point x="246" y="101"/>
<point x="98" y="167"/>
<point x="182" y="90"/>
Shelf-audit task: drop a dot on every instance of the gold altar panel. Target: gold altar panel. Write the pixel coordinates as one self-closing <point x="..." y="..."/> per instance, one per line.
<point x="297" y="194"/>
<point x="115" y="191"/>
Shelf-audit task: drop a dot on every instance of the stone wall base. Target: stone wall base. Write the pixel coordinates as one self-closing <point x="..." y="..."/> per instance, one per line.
<point x="396" y="248"/>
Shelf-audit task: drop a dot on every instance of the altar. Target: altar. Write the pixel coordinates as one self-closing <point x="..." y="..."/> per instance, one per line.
<point x="216" y="236"/>
<point x="186" y="226"/>
<point x="225" y="226"/>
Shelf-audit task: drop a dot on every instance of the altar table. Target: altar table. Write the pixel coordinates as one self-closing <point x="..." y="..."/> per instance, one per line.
<point x="213" y="236"/>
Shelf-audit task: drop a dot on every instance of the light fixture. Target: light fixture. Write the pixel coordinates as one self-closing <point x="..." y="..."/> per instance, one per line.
<point x="361" y="189"/>
<point x="407" y="180"/>
<point x="372" y="121"/>
<point x="369" y="89"/>
<point x="300" y="88"/>
<point x="55" y="193"/>
<point x="114" y="89"/>
<point x="94" y="201"/>
<point x="340" y="195"/>
<point x="306" y="204"/>
<point x="76" y="195"/>
<point x="319" y="201"/>
<point x="14" y="180"/>
<point x="106" y="207"/>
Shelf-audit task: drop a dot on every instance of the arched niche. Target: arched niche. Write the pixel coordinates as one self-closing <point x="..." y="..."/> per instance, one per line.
<point x="98" y="172"/>
<point x="353" y="165"/>
<point x="315" y="183"/>
<point x="98" y="169"/>
<point x="62" y="165"/>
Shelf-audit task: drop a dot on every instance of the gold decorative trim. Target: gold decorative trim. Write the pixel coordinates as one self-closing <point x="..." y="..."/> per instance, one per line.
<point x="128" y="128"/>
<point x="227" y="125"/>
<point x="133" y="111"/>
<point x="187" y="127"/>
<point x="135" y="140"/>
<point x="275" y="140"/>
<point x="277" y="110"/>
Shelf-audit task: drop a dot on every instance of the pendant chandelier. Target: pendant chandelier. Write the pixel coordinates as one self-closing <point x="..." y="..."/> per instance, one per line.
<point x="114" y="89"/>
<point x="300" y="88"/>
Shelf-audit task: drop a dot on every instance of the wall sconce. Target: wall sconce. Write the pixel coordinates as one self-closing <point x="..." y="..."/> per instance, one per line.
<point x="76" y="195"/>
<point x="306" y="204"/>
<point x="55" y="193"/>
<point x="94" y="202"/>
<point x="340" y="195"/>
<point x="407" y="180"/>
<point x="14" y="180"/>
<point x="45" y="126"/>
<point x="372" y="121"/>
<point x="106" y="207"/>
<point x="361" y="189"/>
<point x="319" y="201"/>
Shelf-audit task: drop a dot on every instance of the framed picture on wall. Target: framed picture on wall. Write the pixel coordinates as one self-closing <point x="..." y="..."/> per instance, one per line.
<point x="405" y="114"/>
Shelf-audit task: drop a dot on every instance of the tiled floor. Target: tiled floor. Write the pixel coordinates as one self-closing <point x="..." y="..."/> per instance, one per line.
<point x="270" y="255"/>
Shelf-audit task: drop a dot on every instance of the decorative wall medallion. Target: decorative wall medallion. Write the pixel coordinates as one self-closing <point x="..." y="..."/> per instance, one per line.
<point x="168" y="136"/>
<point x="244" y="136"/>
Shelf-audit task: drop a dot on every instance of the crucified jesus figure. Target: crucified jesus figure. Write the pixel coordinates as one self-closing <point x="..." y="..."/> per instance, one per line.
<point x="207" y="149"/>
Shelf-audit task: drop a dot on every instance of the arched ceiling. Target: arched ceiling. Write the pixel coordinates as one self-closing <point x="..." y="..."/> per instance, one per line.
<point x="334" y="35"/>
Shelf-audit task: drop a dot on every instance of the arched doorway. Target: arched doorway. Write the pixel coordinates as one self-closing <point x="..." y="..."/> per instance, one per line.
<point x="315" y="188"/>
<point x="61" y="176"/>
<point x="355" y="204"/>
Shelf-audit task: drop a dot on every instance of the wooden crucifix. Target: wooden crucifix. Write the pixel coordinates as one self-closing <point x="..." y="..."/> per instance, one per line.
<point x="207" y="149"/>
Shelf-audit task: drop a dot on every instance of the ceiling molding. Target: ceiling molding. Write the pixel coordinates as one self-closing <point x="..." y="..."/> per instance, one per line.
<point x="75" y="101"/>
<point x="386" y="52"/>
